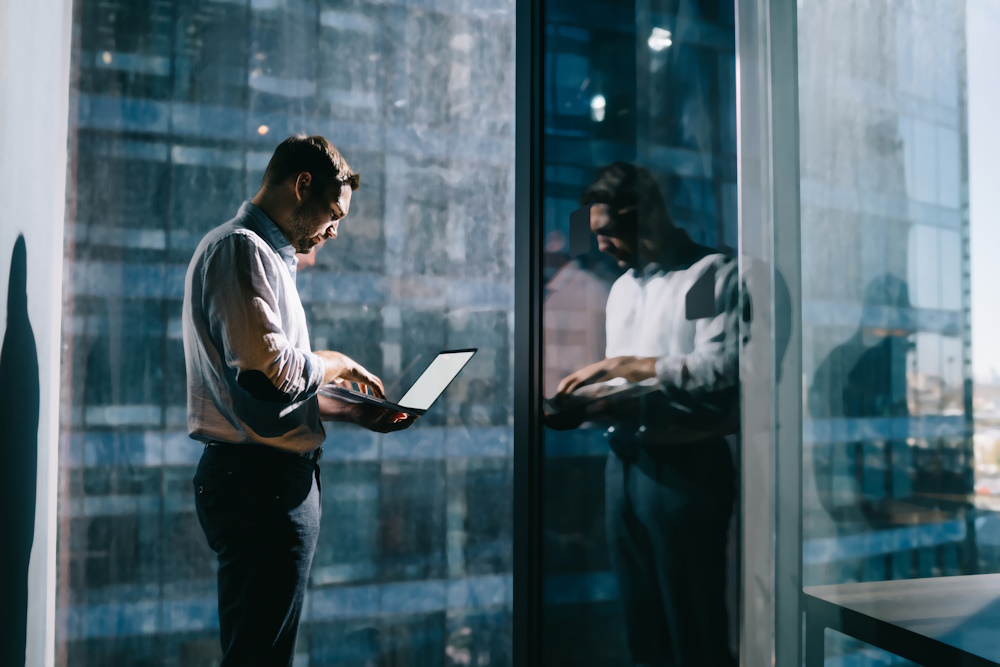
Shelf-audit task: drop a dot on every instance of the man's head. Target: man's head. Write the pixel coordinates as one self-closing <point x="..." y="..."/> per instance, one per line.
<point x="627" y="214"/>
<point x="307" y="190"/>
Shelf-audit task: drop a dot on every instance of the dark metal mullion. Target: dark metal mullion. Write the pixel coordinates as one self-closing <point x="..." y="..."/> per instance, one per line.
<point x="527" y="586"/>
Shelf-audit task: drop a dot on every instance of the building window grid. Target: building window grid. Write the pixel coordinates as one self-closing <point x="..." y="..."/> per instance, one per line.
<point x="111" y="444"/>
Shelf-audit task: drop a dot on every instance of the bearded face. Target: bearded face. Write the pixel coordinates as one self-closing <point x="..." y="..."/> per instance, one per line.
<point x="317" y="218"/>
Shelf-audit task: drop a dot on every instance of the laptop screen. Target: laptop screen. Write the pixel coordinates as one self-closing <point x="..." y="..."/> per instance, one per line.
<point x="435" y="379"/>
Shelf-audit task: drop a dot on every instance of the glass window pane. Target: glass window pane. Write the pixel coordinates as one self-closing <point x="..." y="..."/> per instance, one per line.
<point x="949" y="168"/>
<point x="179" y="106"/>
<point x="639" y="199"/>
<point x="899" y="408"/>
<point x="952" y="275"/>
<point x="924" y="267"/>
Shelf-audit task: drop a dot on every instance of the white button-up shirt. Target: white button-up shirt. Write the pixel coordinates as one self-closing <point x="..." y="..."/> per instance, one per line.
<point x="685" y="312"/>
<point x="251" y="374"/>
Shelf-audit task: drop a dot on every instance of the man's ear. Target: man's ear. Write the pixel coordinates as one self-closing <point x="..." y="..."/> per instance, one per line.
<point x="302" y="184"/>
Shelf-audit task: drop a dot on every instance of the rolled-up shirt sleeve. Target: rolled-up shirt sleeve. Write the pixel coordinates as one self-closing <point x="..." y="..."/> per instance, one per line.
<point x="713" y="364"/>
<point x="241" y="304"/>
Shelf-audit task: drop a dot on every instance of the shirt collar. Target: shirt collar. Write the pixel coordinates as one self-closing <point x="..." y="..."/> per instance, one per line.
<point x="261" y="222"/>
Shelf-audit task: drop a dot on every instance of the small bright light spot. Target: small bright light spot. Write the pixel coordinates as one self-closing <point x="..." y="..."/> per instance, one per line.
<point x="598" y="107"/>
<point x="106" y="57"/>
<point x="262" y="130"/>
<point x="660" y="39"/>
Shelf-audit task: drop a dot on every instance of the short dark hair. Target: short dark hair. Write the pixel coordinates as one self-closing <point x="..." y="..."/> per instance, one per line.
<point x="315" y="155"/>
<point x="625" y="187"/>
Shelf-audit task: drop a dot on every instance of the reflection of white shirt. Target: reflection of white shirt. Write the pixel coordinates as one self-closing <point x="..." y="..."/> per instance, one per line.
<point x="647" y="317"/>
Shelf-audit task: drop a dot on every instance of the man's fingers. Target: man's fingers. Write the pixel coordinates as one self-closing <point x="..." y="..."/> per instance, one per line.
<point x="376" y="385"/>
<point x="567" y="385"/>
<point x="579" y="379"/>
<point x="373" y="383"/>
<point x="367" y="382"/>
<point x="389" y="422"/>
<point x="570" y="386"/>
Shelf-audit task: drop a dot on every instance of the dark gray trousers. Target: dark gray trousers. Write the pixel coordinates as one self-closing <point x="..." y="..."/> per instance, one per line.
<point x="667" y="516"/>
<point x="260" y="510"/>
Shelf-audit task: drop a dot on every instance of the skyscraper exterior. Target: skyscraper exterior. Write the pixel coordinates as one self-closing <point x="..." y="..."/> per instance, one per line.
<point x="177" y="106"/>
<point x="887" y="442"/>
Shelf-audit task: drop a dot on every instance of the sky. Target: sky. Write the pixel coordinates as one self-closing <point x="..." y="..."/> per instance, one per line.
<point x="983" y="25"/>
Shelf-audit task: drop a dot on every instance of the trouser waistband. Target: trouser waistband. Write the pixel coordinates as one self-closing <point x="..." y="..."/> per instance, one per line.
<point x="313" y="456"/>
<point x="651" y="458"/>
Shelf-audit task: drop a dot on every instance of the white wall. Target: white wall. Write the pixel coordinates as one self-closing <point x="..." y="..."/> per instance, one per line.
<point x="34" y="99"/>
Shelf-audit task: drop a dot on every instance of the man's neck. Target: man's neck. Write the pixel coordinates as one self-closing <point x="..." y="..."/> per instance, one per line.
<point x="669" y="254"/>
<point x="272" y="208"/>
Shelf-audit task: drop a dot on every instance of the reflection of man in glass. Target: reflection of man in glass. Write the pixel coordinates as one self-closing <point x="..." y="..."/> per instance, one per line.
<point x="864" y="378"/>
<point x="252" y="383"/>
<point x="670" y="479"/>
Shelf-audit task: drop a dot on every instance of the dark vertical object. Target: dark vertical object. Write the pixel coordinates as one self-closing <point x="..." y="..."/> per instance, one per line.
<point x="527" y="335"/>
<point x="19" y="407"/>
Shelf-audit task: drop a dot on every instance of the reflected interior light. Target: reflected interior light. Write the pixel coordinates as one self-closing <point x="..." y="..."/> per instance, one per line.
<point x="106" y="57"/>
<point x="660" y="39"/>
<point x="262" y="130"/>
<point x="598" y="107"/>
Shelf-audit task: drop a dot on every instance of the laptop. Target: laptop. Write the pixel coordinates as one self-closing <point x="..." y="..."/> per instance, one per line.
<point x="421" y="395"/>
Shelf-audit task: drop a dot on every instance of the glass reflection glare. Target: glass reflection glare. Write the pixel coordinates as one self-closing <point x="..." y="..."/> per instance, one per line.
<point x="659" y="39"/>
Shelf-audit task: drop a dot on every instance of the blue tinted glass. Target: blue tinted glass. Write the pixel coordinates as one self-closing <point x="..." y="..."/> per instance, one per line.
<point x="640" y="147"/>
<point x="898" y="453"/>
<point x="179" y="106"/>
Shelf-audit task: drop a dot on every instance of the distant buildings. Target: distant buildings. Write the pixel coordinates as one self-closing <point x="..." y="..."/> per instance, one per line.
<point x="177" y="106"/>
<point x="887" y="444"/>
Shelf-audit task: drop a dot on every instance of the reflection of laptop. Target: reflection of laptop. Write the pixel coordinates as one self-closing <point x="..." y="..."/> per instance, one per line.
<point x="421" y="396"/>
<point x="618" y="389"/>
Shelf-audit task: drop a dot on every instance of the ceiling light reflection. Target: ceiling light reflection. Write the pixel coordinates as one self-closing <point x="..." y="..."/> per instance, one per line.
<point x="660" y="39"/>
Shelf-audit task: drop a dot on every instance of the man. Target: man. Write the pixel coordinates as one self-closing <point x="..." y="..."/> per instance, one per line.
<point x="252" y="397"/>
<point x="670" y="478"/>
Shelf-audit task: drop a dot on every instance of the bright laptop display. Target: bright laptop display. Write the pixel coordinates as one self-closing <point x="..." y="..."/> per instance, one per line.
<point x="432" y="383"/>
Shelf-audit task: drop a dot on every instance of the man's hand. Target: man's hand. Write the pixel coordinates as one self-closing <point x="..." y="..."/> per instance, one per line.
<point x="371" y="417"/>
<point x="633" y="369"/>
<point x="341" y="367"/>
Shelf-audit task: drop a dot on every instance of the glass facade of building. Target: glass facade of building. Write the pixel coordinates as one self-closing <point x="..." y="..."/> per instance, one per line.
<point x="883" y="303"/>
<point x="177" y="107"/>
<point x="889" y="417"/>
<point x="835" y="158"/>
<point x="888" y="465"/>
<point x="613" y="93"/>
